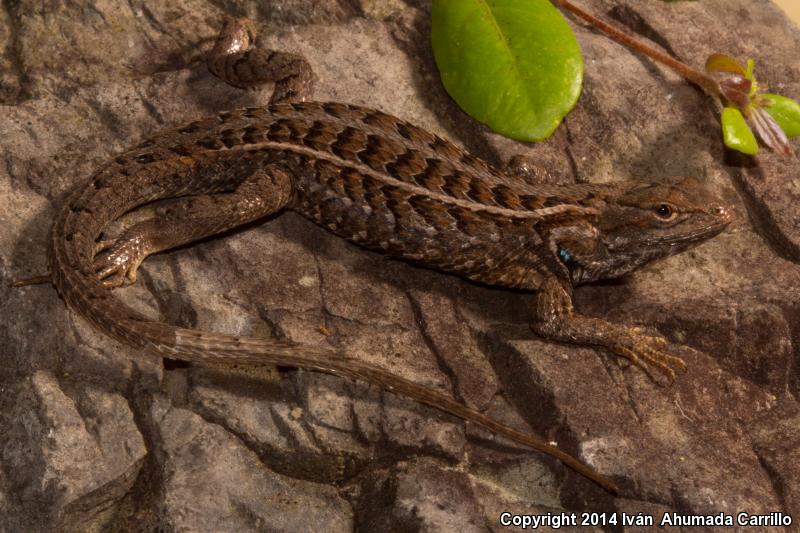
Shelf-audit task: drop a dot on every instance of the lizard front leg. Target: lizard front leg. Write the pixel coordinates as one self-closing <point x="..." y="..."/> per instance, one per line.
<point x="556" y="319"/>
<point x="266" y="191"/>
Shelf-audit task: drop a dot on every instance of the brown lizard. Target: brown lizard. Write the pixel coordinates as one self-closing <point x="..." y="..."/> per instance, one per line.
<point x="384" y="184"/>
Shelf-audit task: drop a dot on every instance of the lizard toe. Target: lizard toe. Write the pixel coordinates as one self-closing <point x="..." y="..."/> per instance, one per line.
<point x="111" y="278"/>
<point x="102" y="246"/>
<point x="649" y="353"/>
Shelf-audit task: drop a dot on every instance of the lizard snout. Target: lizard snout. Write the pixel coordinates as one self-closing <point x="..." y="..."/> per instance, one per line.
<point x="722" y="212"/>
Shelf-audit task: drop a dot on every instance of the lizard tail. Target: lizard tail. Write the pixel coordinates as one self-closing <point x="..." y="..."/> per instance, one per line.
<point x="198" y="346"/>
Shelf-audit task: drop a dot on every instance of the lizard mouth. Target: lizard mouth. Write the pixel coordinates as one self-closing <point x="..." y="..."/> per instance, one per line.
<point x="690" y="237"/>
<point x="676" y="241"/>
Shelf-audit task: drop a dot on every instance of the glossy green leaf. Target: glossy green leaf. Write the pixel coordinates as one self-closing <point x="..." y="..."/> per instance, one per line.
<point x="785" y="111"/>
<point x="512" y="64"/>
<point x="736" y="133"/>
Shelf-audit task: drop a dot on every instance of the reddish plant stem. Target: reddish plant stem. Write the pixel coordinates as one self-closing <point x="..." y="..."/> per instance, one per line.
<point x="700" y="78"/>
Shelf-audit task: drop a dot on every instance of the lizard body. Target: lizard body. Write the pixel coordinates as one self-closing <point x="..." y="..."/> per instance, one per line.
<point x="387" y="185"/>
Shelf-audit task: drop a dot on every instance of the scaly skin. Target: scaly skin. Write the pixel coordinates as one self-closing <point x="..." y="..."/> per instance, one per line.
<point x="386" y="185"/>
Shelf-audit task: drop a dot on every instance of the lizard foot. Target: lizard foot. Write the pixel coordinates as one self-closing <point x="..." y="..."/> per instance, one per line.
<point x="648" y="352"/>
<point x="119" y="260"/>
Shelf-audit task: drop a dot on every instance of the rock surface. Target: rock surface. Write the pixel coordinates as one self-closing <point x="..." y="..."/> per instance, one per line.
<point x="98" y="437"/>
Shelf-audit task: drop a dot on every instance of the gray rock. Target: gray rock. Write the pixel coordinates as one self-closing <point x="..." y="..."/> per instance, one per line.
<point x="69" y="456"/>
<point x="213" y="482"/>
<point x="97" y="436"/>
<point x="419" y="496"/>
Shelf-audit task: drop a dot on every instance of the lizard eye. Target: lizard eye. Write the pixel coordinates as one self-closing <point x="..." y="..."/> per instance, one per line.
<point x="664" y="211"/>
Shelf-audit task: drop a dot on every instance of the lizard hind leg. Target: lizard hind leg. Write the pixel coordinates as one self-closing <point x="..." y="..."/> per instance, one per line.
<point x="235" y="60"/>
<point x="191" y="218"/>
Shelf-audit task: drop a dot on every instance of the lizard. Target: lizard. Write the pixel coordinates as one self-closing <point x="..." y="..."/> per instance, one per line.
<point x="386" y="185"/>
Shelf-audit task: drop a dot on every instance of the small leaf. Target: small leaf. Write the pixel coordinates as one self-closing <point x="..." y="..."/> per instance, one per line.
<point x="723" y="63"/>
<point x="512" y="64"/>
<point x="785" y="111"/>
<point x="736" y="133"/>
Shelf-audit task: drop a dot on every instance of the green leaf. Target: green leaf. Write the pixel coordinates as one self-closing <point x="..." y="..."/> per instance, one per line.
<point x="512" y="64"/>
<point x="785" y="111"/>
<point x="736" y="133"/>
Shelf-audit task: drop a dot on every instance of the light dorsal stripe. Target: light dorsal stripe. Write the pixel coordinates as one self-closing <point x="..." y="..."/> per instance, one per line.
<point x="412" y="188"/>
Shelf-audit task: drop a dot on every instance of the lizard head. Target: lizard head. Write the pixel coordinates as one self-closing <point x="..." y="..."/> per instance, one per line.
<point x="648" y="221"/>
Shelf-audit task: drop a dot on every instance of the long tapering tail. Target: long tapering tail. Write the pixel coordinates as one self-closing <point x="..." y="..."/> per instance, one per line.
<point x="193" y="345"/>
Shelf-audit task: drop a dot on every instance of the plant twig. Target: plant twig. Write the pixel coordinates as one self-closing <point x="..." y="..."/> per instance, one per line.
<point x="698" y="77"/>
